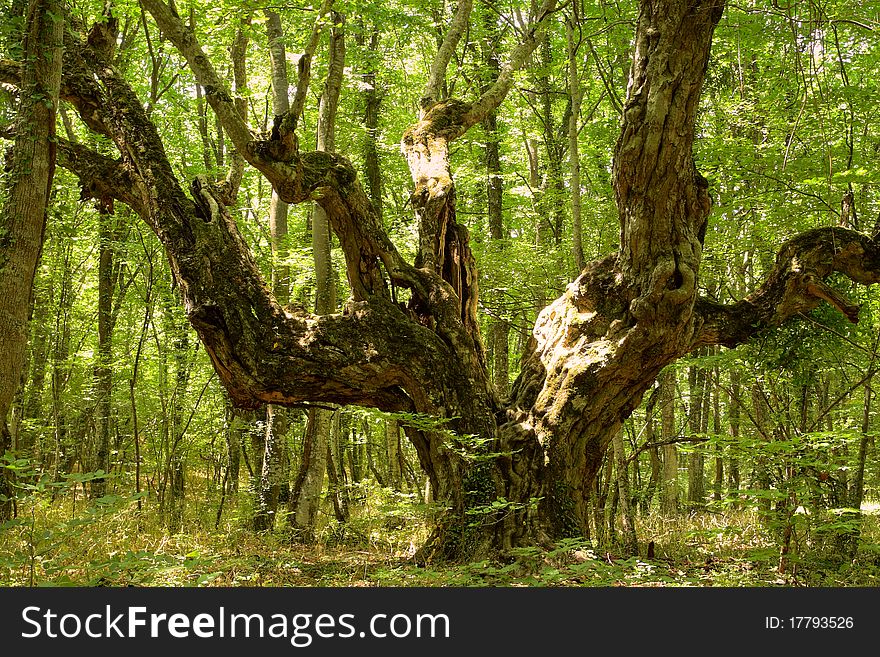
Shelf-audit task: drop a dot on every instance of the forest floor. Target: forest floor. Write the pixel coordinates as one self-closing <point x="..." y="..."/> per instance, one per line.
<point x="114" y="544"/>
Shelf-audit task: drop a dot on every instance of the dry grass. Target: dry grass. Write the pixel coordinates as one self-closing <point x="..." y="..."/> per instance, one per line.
<point x="63" y="544"/>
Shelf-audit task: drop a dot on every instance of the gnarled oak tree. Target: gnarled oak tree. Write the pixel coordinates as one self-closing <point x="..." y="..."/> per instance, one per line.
<point x="594" y="351"/>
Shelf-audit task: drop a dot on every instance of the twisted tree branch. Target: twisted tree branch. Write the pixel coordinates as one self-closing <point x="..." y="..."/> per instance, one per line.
<point x="795" y="285"/>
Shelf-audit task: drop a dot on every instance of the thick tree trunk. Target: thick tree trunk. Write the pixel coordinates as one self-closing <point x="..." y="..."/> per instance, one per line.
<point x="602" y="344"/>
<point x="23" y="217"/>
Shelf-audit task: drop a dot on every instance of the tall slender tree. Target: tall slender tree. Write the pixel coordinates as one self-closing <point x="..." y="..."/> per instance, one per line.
<point x="313" y="468"/>
<point x="573" y="38"/>
<point x="670" y="492"/>
<point x="23" y="216"/>
<point x="499" y="327"/>
<point x="271" y="479"/>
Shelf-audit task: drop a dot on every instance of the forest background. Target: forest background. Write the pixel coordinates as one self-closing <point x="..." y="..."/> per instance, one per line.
<point x="126" y="460"/>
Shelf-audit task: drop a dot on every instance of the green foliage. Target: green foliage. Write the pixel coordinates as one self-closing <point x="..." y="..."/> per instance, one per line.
<point x="39" y="539"/>
<point x="787" y="127"/>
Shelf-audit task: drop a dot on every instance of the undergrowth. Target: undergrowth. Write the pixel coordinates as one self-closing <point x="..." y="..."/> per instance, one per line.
<point x="110" y="542"/>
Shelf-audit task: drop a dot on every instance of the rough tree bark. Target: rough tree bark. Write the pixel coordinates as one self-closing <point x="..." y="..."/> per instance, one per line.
<point x="594" y="351"/>
<point x="599" y="346"/>
<point x="23" y="218"/>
